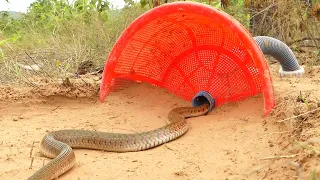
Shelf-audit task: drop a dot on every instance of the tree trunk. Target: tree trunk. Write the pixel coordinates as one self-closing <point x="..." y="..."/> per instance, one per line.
<point x="224" y="3"/>
<point x="251" y="9"/>
<point x="155" y="3"/>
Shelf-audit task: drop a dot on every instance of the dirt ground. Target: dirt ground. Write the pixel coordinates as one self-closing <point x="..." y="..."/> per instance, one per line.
<point x="232" y="142"/>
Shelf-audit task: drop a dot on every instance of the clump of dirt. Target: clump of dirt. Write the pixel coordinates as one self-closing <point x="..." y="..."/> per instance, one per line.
<point x="298" y="111"/>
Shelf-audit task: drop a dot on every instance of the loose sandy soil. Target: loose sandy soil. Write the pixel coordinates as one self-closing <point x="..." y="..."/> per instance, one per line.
<point x="229" y="143"/>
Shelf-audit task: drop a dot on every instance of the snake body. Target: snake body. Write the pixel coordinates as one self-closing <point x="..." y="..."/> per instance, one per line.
<point x="58" y="144"/>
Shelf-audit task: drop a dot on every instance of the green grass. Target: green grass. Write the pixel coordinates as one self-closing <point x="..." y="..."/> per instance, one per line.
<point x="60" y="41"/>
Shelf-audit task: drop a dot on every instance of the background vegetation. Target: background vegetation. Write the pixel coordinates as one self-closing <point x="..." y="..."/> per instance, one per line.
<point x="58" y="34"/>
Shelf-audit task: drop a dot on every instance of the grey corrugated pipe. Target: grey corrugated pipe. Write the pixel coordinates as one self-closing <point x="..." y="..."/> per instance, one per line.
<point x="282" y="53"/>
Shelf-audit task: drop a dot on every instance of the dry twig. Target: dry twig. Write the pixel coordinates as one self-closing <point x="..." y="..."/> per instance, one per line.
<point x="31" y="148"/>
<point x="31" y="163"/>
<point x="280" y="157"/>
<point x="317" y="109"/>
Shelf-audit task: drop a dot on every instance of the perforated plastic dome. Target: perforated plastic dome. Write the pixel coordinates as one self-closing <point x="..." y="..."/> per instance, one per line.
<point x="187" y="47"/>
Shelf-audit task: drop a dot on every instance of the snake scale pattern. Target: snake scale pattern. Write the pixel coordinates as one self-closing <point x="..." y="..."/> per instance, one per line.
<point x="58" y="145"/>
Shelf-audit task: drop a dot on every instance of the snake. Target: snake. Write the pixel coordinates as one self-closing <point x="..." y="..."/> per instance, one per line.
<point x="58" y="145"/>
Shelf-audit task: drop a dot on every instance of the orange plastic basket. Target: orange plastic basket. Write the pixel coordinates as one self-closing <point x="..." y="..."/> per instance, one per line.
<point x="187" y="47"/>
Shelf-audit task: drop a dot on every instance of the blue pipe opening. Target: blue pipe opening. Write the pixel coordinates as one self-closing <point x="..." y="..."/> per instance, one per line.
<point x="203" y="97"/>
